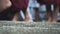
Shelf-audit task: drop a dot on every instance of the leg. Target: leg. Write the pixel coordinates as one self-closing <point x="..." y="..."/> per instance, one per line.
<point x="16" y="16"/>
<point x="49" y="13"/>
<point x="56" y="9"/>
<point x="27" y="18"/>
<point x="36" y="14"/>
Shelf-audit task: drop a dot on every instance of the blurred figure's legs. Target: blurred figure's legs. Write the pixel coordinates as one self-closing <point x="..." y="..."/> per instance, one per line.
<point x="49" y="12"/>
<point x="27" y="17"/>
<point x="55" y="13"/>
<point x="17" y="16"/>
<point x="36" y="14"/>
<point x="56" y="9"/>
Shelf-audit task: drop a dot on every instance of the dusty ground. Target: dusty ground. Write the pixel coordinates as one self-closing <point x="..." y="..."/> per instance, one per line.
<point x="29" y="28"/>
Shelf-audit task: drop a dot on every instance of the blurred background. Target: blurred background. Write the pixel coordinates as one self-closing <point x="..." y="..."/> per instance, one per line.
<point x="33" y="9"/>
<point x="42" y="10"/>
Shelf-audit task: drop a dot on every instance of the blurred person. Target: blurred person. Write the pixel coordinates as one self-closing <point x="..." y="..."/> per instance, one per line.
<point x="9" y="10"/>
<point x="34" y="9"/>
<point x="18" y="5"/>
<point x="48" y="3"/>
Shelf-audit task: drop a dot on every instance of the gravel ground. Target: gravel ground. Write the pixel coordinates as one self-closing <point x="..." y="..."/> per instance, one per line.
<point x="29" y="28"/>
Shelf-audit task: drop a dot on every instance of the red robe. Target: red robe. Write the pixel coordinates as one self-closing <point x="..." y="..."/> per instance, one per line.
<point x="20" y="4"/>
<point x="57" y="2"/>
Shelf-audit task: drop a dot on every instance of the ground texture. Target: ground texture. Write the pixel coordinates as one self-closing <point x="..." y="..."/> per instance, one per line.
<point x="29" y="28"/>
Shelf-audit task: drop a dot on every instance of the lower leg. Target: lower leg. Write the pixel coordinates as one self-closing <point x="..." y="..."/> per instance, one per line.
<point x="36" y="14"/>
<point x="27" y="18"/>
<point x="49" y="13"/>
<point x="16" y="17"/>
<point x="55" y="14"/>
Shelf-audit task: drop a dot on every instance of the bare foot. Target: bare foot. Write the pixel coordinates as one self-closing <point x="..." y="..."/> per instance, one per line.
<point x="54" y="21"/>
<point x="49" y="20"/>
<point x="28" y="20"/>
